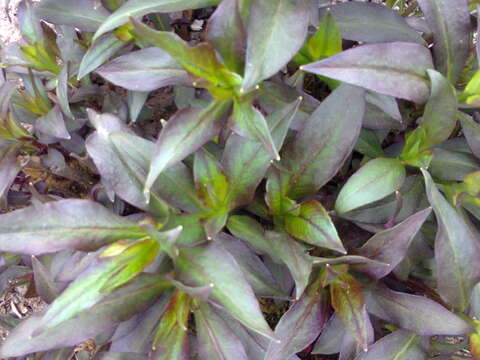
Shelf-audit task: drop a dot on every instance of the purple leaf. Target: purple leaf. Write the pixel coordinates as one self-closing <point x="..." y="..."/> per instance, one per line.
<point x="330" y="339"/>
<point x="53" y="124"/>
<point x="216" y="341"/>
<point x="471" y="129"/>
<point x="398" y="69"/>
<point x="327" y="139"/>
<point x="300" y="325"/>
<point x="144" y="70"/>
<point x="9" y="168"/>
<point x="44" y="284"/>
<point x="414" y="313"/>
<point x="65" y="224"/>
<point x="457" y="250"/>
<point x="449" y="21"/>
<point x="390" y="246"/>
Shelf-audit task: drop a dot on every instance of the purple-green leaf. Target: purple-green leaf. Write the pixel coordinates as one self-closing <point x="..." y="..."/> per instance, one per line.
<point x="43" y="280"/>
<point x="139" y="8"/>
<point x="326" y="140"/>
<point x="375" y="180"/>
<point x="144" y="70"/>
<point x="212" y="265"/>
<point x="399" y="345"/>
<point x="300" y="325"/>
<point x="391" y="245"/>
<point x="457" y="250"/>
<point x="370" y="22"/>
<point x="216" y="341"/>
<point x="114" y="308"/>
<point x="9" y="168"/>
<point x="65" y="224"/>
<point x="471" y="129"/>
<point x="414" y="313"/>
<point x="226" y="32"/>
<point x="314" y="226"/>
<point x="53" y="124"/>
<point x="184" y="133"/>
<point x="449" y="21"/>
<point x="271" y="43"/>
<point x="398" y="69"/>
<point x="329" y="341"/>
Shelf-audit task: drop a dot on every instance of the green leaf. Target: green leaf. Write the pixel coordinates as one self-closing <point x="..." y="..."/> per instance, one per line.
<point x="226" y="31"/>
<point x="66" y="224"/>
<point x="62" y="91"/>
<point x="184" y="133"/>
<point x="86" y="15"/>
<point x="199" y="60"/>
<point x="314" y="226"/>
<point x="349" y="304"/>
<point x="276" y="193"/>
<point x="452" y="165"/>
<point x="375" y="180"/>
<point x="326" y="140"/>
<point x="99" y="52"/>
<point x="113" y="309"/>
<point x="212" y="265"/>
<point x="325" y="42"/>
<point x="370" y="22"/>
<point x="138" y="8"/>
<point x="440" y="115"/>
<point x="216" y="341"/>
<point x="281" y="247"/>
<point x="171" y="337"/>
<point x="249" y="122"/>
<point x="246" y="161"/>
<point x="457" y="250"/>
<point x="399" y="345"/>
<point x="449" y="22"/>
<point x="398" y="69"/>
<point x="269" y="45"/>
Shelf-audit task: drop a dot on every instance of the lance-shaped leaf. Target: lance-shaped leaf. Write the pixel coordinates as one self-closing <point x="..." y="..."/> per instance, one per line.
<point x="397" y="69"/>
<point x="349" y="304"/>
<point x="184" y="133"/>
<point x="278" y="202"/>
<point x="245" y="161"/>
<point x="121" y="356"/>
<point x="300" y="325"/>
<point x="144" y="70"/>
<point x="122" y="159"/>
<point x="249" y="122"/>
<point x="449" y="21"/>
<point x="314" y="226"/>
<point x="440" y="115"/>
<point x="329" y="341"/>
<point x="65" y="224"/>
<point x="281" y="247"/>
<point x="62" y="91"/>
<point x="98" y="53"/>
<point x="136" y="101"/>
<point x="326" y="140"/>
<point x="369" y="22"/>
<point x="199" y="60"/>
<point x="44" y="284"/>
<point x="9" y="168"/>
<point x="457" y="250"/>
<point x="212" y="265"/>
<point x="86" y="15"/>
<point x="452" y="165"/>
<point x="216" y="341"/>
<point x="390" y="246"/>
<point x="226" y="32"/>
<point x="114" y="308"/>
<point x="53" y="124"/>
<point x="471" y="129"/>
<point x="139" y="8"/>
<point x="171" y="337"/>
<point x="117" y="265"/>
<point x="255" y="271"/>
<point x="373" y="181"/>
<point x="325" y="42"/>
<point x="270" y="46"/>
<point x="414" y="313"/>
<point x="399" y="345"/>
<point x="381" y="112"/>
